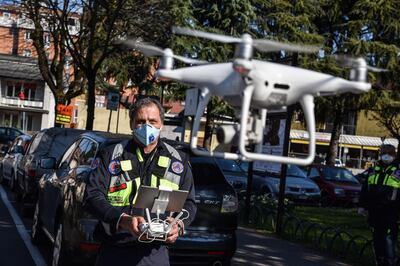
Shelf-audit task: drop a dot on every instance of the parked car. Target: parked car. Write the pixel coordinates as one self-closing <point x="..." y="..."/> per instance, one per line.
<point x="298" y="186"/>
<point x="338" y="185"/>
<point x="50" y="142"/>
<point x="234" y="174"/>
<point x="8" y="166"/>
<point x="7" y="135"/>
<point x="362" y="177"/>
<point x="59" y="214"/>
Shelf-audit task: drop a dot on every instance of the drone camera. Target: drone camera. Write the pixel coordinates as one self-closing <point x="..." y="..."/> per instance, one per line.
<point x="227" y="134"/>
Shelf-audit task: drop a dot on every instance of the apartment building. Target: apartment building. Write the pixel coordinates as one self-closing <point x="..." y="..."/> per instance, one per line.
<point x="26" y="102"/>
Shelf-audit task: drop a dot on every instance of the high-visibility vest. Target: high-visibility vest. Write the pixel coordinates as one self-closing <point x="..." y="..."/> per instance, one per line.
<point x="389" y="179"/>
<point x="122" y="185"/>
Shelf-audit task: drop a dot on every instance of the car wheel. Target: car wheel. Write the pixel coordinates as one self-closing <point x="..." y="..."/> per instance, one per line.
<point x="265" y="191"/>
<point x="37" y="234"/>
<point x="59" y="257"/>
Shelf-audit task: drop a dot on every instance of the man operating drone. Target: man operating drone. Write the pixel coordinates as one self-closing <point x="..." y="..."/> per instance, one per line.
<point x="252" y="87"/>
<point x="113" y="187"/>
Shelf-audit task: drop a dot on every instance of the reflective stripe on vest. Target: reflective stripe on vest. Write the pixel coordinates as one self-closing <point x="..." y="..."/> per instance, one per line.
<point x="120" y="197"/>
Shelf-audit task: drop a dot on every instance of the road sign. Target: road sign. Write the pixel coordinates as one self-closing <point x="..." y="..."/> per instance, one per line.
<point x="113" y="101"/>
<point x="191" y="101"/>
<point x="64" y="114"/>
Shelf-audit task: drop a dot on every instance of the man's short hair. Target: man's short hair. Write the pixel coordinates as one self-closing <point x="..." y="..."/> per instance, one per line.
<point x="143" y="102"/>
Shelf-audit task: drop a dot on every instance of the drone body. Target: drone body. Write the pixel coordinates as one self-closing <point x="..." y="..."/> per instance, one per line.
<point x="275" y="85"/>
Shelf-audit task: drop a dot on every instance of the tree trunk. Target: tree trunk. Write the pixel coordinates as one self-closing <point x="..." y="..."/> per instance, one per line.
<point x="90" y="102"/>
<point x="208" y="127"/>
<point x="335" y="135"/>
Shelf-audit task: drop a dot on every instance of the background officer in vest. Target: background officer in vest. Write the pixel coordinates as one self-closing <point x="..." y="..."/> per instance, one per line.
<point x="112" y="187"/>
<point x="380" y="198"/>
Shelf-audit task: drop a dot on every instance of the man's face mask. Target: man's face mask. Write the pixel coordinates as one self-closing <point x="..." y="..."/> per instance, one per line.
<point x="387" y="158"/>
<point x="146" y="134"/>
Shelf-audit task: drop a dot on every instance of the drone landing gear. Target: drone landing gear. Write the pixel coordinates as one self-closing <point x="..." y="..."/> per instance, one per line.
<point x="251" y="130"/>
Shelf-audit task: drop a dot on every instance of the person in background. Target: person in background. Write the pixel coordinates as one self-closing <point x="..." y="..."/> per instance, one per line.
<point x="380" y="200"/>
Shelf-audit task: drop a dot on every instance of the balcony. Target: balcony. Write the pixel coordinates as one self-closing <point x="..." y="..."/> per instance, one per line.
<point x="14" y="101"/>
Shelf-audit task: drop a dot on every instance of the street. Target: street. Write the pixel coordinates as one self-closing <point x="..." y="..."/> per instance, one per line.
<point x="254" y="248"/>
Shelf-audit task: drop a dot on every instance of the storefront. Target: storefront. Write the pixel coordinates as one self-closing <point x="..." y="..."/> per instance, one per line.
<point x="354" y="151"/>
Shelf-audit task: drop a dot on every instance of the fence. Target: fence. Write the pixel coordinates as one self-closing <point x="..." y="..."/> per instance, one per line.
<point x="338" y="242"/>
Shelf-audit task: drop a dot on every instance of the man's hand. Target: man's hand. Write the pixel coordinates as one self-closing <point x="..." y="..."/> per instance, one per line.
<point x="173" y="234"/>
<point x="131" y="224"/>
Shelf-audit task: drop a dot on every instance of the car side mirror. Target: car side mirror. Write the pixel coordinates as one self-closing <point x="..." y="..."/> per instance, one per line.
<point x="48" y="163"/>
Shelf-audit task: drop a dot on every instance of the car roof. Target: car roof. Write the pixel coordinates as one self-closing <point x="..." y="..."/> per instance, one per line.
<point x="13" y="128"/>
<point x="24" y="137"/>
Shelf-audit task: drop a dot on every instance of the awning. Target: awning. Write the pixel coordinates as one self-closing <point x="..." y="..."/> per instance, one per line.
<point x="349" y="141"/>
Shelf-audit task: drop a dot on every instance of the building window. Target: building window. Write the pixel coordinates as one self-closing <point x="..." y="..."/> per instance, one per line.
<point x="27" y="53"/>
<point x="71" y="22"/>
<point x="28" y="36"/>
<point x="6" y="15"/>
<point x="75" y="120"/>
<point x="10" y="91"/>
<point x="10" y="120"/>
<point x="46" y="40"/>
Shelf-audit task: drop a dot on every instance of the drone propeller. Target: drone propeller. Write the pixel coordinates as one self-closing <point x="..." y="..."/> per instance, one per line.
<point x="151" y="50"/>
<point x="352" y="62"/>
<point x="262" y="45"/>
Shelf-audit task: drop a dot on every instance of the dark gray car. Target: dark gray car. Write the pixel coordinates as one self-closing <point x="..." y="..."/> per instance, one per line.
<point x="8" y="165"/>
<point x="51" y="142"/>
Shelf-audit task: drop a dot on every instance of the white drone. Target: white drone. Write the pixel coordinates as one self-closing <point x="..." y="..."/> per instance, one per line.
<point x="252" y="87"/>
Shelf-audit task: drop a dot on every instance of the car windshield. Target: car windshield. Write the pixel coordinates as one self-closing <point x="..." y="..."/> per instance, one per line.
<point x="229" y="166"/>
<point x="295" y="171"/>
<point x="338" y="174"/>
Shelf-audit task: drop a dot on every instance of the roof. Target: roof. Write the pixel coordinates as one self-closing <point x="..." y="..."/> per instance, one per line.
<point x="19" y="68"/>
<point x="344" y="139"/>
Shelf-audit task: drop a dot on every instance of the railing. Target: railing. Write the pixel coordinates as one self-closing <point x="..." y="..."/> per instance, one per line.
<point x="333" y="240"/>
<point x="17" y="102"/>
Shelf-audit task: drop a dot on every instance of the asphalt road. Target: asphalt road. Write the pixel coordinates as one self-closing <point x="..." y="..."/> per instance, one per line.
<point x="254" y="248"/>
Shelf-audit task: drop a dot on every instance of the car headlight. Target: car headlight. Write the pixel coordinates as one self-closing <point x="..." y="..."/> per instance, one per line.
<point x="339" y="191"/>
<point x="229" y="204"/>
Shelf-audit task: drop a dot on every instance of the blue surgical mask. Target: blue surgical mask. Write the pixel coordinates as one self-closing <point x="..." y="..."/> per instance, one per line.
<point x="387" y="159"/>
<point x="146" y="134"/>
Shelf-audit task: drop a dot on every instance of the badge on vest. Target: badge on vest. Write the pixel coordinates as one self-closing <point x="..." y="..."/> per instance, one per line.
<point x="177" y="167"/>
<point x="114" y="167"/>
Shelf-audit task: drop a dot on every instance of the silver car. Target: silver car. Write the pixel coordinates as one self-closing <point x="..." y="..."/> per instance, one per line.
<point x="298" y="186"/>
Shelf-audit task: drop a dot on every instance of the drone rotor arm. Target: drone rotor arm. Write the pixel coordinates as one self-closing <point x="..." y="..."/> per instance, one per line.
<point x="190" y="60"/>
<point x="205" y="35"/>
<point x="145" y="48"/>
<point x="273" y="46"/>
<point x="376" y="69"/>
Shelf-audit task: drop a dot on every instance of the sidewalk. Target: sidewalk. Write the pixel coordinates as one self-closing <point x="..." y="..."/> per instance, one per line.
<point x="255" y="248"/>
